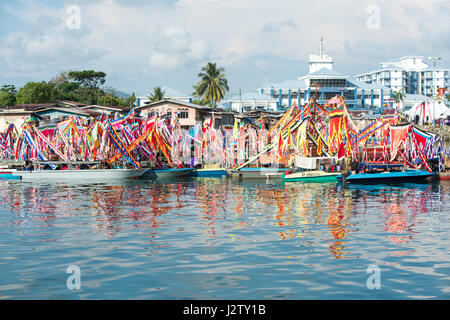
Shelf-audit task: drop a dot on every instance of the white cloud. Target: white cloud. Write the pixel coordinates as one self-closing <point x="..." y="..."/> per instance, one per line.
<point x="141" y="38"/>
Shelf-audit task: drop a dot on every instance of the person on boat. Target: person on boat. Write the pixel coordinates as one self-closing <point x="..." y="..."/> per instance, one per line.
<point x="29" y="166"/>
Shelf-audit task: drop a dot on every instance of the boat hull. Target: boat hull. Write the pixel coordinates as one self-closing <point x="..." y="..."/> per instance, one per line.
<point x="208" y="173"/>
<point x="166" y="173"/>
<point x="444" y="175"/>
<point x="413" y="176"/>
<point x="258" y="173"/>
<point x="8" y="175"/>
<point x="312" y="176"/>
<point x="78" y="175"/>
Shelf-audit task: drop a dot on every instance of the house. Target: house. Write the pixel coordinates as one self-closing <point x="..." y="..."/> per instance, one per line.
<point x="44" y="112"/>
<point x="189" y="114"/>
<point x="15" y="117"/>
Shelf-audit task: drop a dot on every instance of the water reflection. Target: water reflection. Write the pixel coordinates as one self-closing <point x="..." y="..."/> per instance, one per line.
<point x="292" y="209"/>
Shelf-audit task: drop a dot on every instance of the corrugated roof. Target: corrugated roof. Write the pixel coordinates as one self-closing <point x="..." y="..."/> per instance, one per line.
<point x="186" y="104"/>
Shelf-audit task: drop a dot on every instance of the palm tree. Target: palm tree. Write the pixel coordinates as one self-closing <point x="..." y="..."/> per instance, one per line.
<point x="398" y="96"/>
<point x="213" y="84"/>
<point x="156" y="95"/>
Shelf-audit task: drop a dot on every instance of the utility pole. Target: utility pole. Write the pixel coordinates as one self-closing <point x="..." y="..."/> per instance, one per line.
<point x="240" y="100"/>
<point x="435" y="59"/>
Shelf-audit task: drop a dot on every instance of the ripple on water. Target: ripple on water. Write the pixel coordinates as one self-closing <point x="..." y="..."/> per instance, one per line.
<point x="218" y="239"/>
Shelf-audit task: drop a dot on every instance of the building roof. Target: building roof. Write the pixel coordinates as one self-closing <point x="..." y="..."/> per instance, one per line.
<point x="324" y="72"/>
<point x="365" y="85"/>
<point x="72" y="110"/>
<point x="182" y="103"/>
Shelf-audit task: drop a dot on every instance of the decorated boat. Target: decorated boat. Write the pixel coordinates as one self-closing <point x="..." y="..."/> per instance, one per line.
<point x="88" y="175"/>
<point x="312" y="176"/>
<point x="408" y="176"/>
<point x="166" y="173"/>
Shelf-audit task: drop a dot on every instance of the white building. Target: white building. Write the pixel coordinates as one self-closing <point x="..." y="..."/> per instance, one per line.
<point x="169" y="94"/>
<point x="252" y="101"/>
<point x="329" y="83"/>
<point x="410" y="74"/>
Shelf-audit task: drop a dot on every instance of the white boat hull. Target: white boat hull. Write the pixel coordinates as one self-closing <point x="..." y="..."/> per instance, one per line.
<point x="79" y="175"/>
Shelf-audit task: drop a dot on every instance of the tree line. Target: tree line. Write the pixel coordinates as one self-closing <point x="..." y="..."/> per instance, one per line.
<point x="86" y="87"/>
<point x="80" y="86"/>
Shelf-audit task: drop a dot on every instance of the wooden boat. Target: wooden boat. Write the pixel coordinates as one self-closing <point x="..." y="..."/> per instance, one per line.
<point x="408" y="176"/>
<point x="258" y="173"/>
<point x="312" y="176"/>
<point x="88" y="175"/>
<point x="166" y="173"/>
<point x="208" y="173"/>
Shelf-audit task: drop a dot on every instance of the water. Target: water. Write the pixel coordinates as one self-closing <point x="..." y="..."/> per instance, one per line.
<point x="219" y="239"/>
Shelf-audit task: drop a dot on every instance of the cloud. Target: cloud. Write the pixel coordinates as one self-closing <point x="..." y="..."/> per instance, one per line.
<point x="140" y="43"/>
<point x="173" y="46"/>
<point x="277" y="26"/>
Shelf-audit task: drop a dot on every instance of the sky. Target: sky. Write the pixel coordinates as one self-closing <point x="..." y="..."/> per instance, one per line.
<point x="142" y="44"/>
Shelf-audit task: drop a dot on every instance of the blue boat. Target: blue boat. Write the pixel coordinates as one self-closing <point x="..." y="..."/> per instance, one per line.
<point x="408" y="176"/>
<point x="7" y="174"/>
<point x="208" y="173"/>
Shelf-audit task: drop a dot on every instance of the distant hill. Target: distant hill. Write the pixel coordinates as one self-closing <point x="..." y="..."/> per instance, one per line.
<point x="118" y="93"/>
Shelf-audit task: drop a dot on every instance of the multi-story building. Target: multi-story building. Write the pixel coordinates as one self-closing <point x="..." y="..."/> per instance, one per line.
<point x="325" y="83"/>
<point x="410" y="74"/>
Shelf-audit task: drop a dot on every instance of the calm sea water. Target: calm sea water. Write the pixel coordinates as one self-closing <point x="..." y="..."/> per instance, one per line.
<point x="219" y="239"/>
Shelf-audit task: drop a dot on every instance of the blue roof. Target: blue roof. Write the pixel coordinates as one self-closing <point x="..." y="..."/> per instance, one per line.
<point x="324" y="72"/>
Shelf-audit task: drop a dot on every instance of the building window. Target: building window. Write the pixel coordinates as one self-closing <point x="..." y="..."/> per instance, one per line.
<point x="247" y="108"/>
<point x="328" y="82"/>
<point x="183" y="113"/>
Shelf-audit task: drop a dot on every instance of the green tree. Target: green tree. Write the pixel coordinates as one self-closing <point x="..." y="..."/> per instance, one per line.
<point x="8" y="94"/>
<point x="131" y="101"/>
<point x="212" y="85"/>
<point x="398" y="96"/>
<point x="156" y="95"/>
<point x="89" y="82"/>
<point x="35" y="92"/>
<point x="88" y="78"/>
